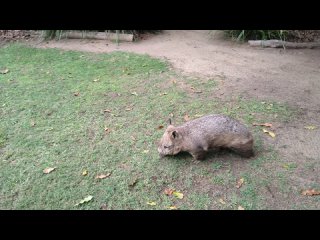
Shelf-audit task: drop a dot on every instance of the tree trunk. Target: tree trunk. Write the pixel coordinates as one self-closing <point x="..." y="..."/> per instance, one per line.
<point x="100" y="36"/>
<point x="282" y="44"/>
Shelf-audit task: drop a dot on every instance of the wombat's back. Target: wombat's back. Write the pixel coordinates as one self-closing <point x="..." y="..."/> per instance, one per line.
<point x="214" y="124"/>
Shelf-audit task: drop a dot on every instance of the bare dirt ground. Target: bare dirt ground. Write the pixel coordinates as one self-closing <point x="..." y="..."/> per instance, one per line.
<point x="287" y="76"/>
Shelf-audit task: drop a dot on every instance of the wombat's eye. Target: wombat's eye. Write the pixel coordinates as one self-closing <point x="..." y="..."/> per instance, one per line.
<point x="166" y="146"/>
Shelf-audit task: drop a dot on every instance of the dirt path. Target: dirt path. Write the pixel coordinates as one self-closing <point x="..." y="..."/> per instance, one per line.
<point x="286" y="76"/>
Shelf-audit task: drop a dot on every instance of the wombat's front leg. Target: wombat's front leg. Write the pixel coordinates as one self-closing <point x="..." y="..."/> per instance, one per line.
<point x="198" y="156"/>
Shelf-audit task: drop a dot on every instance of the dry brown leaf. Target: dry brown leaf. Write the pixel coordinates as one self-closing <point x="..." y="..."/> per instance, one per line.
<point x="4" y="71"/>
<point x="96" y="80"/>
<point x="272" y="134"/>
<point x="152" y="203"/>
<point x="84" y="173"/>
<point x="240" y="182"/>
<point x="134" y="182"/>
<point x="310" y="127"/>
<point x="106" y="129"/>
<point x="262" y="124"/>
<point x="171" y="115"/>
<point x="162" y="94"/>
<point x="192" y="88"/>
<point x="172" y="207"/>
<point x="134" y="93"/>
<point x="48" y="170"/>
<point x="240" y="208"/>
<point x="107" y="110"/>
<point x="76" y="94"/>
<point x="128" y="109"/>
<point x="85" y="200"/>
<point x="221" y="201"/>
<point x="168" y="191"/>
<point x="159" y="127"/>
<point x="32" y="123"/>
<point x="103" y="176"/>
<point x="133" y="138"/>
<point x="145" y="151"/>
<point x="177" y="194"/>
<point x="174" y="81"/>
<point x="186" y="118"/>
<point x="104" y="207"/>
<point x="310" y="192"/>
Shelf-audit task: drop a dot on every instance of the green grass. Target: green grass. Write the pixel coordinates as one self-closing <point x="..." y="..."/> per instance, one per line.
<point x="44" y="124"/>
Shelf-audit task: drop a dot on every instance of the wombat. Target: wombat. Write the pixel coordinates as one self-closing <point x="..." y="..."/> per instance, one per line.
<point x="207" y="133"/>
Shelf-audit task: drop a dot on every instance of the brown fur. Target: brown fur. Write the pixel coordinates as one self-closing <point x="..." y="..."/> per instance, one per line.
<point x="205" y="134"/>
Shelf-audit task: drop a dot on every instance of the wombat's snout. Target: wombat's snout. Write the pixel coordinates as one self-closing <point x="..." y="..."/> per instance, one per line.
<point x="161" y="155"/>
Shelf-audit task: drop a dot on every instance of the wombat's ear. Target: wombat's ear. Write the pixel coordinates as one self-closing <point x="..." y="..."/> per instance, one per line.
<point x="169" y="121"/>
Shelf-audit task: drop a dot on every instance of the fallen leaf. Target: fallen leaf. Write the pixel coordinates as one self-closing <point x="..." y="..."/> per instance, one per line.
<point x="134" y="182"/>
<point x="172" y="207"/>
<point x="310" y="127"/>
<point x="106" y="129"/>
<point x="152" y="203"/>
<point x="4" y="71"/>
<point x="198" y="115"/>
<point x="186" y="118"/>
<point x="192" y="88"/>
<point x="134" y="93"/>
<point x="133" y="138"/>
<point x="107" y="110"/>
<point x="198" y="91"/>
<point x="160" y="127"/>
<point x="269" y="107"/>
<point x="171" y="115"/>
<point x="310" y="192"/>
<point x="269" y="132"/>
<point x="104" y="207"/>
<point x="221" y="201"/>
<point x="48" y="170"/>
<point x="168" y="191"/>
<point x="84" y="173"/>
<point x="162" y="94"/>
<point x="128" y="109"/>
<point x="285" y="166"/>
<point x="96" y="80"/>
<point x="262" y="124"/>
<point x="32" y="123"/>
<point x="76" y="94"/>
<point x="102" y="176"/>
<point x="240" y="208"/>
<point x="85" y="200"/>
<point x="240" y="182"/>
<point x="178" y="194"/>
<point x="145" y="151"/>
<point x="174" y="81"/>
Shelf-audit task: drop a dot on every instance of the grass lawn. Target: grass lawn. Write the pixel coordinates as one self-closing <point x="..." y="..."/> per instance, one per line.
<point x="100" y="113"/>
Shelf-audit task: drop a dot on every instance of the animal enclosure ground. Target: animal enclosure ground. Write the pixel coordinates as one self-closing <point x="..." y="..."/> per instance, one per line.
<point x="89" y="114"/>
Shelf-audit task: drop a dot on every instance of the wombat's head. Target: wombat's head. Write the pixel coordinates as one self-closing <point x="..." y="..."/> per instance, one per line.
<point x="170" y="143"/>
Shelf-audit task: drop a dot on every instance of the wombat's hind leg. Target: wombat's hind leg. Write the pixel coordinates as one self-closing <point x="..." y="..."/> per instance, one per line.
<point x="246" y="153"/>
